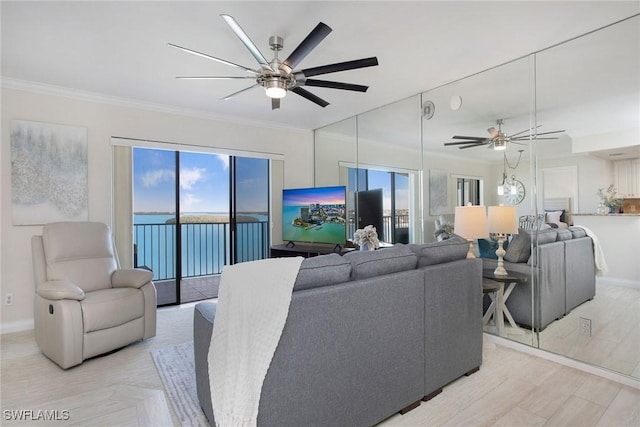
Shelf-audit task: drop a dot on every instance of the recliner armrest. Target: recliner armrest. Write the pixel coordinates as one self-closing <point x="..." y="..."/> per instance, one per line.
<point x="60" y="289"/>
<point x="131" y="278"/>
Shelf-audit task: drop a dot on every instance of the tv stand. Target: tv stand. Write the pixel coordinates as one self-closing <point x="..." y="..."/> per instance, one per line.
<point x="291" y="249"/>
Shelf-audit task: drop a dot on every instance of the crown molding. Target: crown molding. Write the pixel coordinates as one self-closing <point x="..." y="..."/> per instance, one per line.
<point x="87" y="96"/>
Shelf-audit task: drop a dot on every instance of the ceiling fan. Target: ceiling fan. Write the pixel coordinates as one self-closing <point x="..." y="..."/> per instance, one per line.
<point x="498" y="140"/>
<point x="278" y="77"/>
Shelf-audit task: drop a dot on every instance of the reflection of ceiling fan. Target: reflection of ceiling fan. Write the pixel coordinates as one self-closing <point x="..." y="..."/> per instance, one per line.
<point x="278" y="77"/>
<point x="498" y="139"/>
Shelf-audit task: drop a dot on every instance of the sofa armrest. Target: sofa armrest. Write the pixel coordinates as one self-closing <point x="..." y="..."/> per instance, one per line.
<point x="60" y="289"/>
<point x="131" y="278"/>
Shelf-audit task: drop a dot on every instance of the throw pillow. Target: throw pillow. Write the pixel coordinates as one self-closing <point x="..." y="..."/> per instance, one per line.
<point x="519" y="248"/>
<point x="554" y="217"/>
<point x="488" y="248"/>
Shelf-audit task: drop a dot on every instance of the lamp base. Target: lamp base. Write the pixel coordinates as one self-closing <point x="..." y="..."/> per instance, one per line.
<point x="470" y="254"/>
<point x="500" y="252"/>
<point x="500" y="271"/>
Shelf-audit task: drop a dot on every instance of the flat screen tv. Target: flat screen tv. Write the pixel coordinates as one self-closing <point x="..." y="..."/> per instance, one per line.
<point x="315" y="215"/>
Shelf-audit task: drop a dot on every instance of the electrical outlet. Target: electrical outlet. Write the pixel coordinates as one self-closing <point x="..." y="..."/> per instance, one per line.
<point x="585" y="327"/>
<point x="8" y="299"/>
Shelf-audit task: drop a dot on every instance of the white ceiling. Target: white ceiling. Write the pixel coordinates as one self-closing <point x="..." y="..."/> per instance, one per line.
<point x="119" y="49"/>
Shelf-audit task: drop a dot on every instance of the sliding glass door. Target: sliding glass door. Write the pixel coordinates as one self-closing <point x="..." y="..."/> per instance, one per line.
<point x="223" y="218"/>
<point x="381" y="199"/>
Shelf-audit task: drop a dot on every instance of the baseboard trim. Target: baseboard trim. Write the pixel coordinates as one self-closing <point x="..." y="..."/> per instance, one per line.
<point x="16" y="326"/>
<point x="563" y="360"/>
<point x="618" y="282"/>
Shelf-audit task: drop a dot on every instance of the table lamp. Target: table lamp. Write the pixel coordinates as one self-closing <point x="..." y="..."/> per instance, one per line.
<point x="502" y="221"/>
<point x="471" y="223"/>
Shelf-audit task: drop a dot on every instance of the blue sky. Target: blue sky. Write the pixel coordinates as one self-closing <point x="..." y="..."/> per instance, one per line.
<point x="204" y="182"/>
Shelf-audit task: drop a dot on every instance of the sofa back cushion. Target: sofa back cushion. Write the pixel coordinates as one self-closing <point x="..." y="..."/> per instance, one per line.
<point x="323" y="270"/>
<point x="447" y="250"/>
<point x="365" y="264"/>
<point x="577" y="232"/>
<point x="564" y="234"/>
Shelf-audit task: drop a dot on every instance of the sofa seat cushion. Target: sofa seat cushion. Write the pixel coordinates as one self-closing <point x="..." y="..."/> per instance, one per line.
<point x="323" y="270"/>
<point x="365" y="264"/>
<point x="112" y="307"/>
<point x="447" y="250"/>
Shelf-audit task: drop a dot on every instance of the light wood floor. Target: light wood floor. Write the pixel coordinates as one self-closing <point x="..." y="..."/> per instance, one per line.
<point x="615" y="337"/>
<point x="124" y="388"/>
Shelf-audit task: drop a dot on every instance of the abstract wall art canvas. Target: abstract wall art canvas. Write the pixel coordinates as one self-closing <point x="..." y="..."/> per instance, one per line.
<point x="48" y="173"/>
<point x="438" y="198"/>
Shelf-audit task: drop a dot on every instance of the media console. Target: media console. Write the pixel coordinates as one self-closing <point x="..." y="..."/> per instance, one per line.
<point x="306" y="250"/>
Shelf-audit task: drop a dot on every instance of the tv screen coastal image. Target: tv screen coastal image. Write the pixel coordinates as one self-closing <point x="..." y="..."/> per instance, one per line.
<point x="316" y="215"/>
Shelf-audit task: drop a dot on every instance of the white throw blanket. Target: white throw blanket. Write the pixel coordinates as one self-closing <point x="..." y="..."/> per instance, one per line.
<point x="598" y="254"/>
<point x="253" y="304"/>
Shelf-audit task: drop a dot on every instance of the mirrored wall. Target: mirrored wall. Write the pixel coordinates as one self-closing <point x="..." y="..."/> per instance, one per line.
<point x="569" y="109"/>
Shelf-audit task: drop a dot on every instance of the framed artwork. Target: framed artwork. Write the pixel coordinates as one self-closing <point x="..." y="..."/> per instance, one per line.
<point x="438" y="199"/>
<point x="48" y="173"/>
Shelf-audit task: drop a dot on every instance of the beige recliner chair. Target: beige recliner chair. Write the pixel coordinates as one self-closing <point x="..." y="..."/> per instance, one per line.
<point x="85" y="305"/>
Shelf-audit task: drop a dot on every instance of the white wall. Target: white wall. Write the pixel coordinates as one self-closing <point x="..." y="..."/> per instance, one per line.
<point x="593" y="173"/>
<point x="103" y="121"/>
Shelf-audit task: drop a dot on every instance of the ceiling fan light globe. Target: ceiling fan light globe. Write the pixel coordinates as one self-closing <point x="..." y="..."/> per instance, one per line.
<point x="275" y="87"/>
<point x="500" y="145"/>
<point x="500" y="190"/>
<point x="276" y="92"/>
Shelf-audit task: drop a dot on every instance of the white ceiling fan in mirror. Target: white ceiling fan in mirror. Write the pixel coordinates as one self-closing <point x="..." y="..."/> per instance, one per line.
<point x="498" y="139"/>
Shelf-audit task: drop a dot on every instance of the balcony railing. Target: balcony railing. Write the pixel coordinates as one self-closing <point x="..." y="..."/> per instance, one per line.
<point x="206" y="246"/>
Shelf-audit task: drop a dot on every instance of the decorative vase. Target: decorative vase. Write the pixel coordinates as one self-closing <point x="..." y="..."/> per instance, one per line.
<point x="602" y="209"/>
<point x="612" y="209"/>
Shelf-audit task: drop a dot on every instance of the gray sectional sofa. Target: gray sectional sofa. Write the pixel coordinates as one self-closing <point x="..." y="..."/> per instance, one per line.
<point x="560" y="268"/>
<point x="368" y="334"/>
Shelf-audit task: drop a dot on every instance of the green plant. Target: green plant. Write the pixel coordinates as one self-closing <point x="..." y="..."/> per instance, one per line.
<point x="609" y="196"/>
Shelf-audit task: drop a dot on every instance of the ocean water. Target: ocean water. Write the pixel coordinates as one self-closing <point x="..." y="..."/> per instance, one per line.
<point x="205" y="247"/>
<point x="328" y="233"/>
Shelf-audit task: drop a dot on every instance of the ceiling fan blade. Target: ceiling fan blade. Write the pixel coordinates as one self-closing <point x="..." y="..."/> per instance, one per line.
<point x="222" y="61"/>
<point x="547" y="133"/>
<point x="340" y="66"/>
<point x="523" y="131"/>
<point x="477" y="138"/>
<point x="275" y="103"/>
<point x="335" y="85"/>
<point x="474" y="145"/>
<point x="464" y="142"/>
<point x="244" y="38"/>
<point x="493" y="132"/>
<point x="311" y="97"/>
<point x="305" y="47"/>
<point x="239" y="92"/>
<point x="215" y="78"/>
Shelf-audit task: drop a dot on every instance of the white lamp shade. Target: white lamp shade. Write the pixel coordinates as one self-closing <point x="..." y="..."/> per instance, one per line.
<point x="502" y="220"/>
<point x="471" y="222"/>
